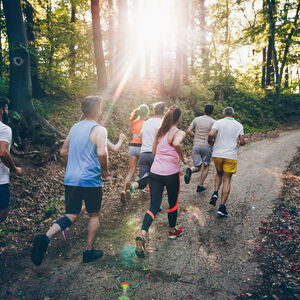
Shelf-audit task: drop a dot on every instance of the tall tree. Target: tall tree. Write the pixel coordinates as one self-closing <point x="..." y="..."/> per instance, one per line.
<point x="72" y="40"/>
<point x="1" y="55"/>
<point x="203" y="33"/>
<point x="111" y="37"/>
<point x="20" y="89"/>
<point x="184" y="40"/>
<point x="98" y="47"/>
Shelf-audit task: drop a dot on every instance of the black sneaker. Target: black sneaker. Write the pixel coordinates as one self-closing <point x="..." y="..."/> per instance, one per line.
<point x="91" y="255"/>
<point x="213" y="200"/>
<point x="222" y="211"/>
<point x="200" y="188"/>
<point x="187" y="176"/>
<point x="160" y="209"/>
<point x="39" y="248"/>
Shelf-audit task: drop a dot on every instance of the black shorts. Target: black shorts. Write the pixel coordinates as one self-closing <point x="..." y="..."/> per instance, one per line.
<point x="74" y="195"/>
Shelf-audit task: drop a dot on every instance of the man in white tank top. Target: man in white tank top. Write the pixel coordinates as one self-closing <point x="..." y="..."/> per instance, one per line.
<point x="199" y="129"/>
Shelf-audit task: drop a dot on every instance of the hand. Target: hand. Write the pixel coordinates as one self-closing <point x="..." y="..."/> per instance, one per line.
<point x="122" y="137"/>
<point x="19" y="171"/>
<point x="104" y="174"/>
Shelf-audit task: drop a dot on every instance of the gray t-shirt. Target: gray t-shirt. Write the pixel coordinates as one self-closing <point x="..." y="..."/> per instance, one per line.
<point x="5" y="136"/>
<point x="202" y="126"/>
<point x="228" y="134"/>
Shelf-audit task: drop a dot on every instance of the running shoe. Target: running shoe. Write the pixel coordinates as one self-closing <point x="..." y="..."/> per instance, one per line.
<point x="176" y="233"/>
<point x="201" y="189"/>
<point x="146" y="190"/>
<point x="187" y="176"/>
<point x="222" y="211"/>
<point x="39" y="249"/>
<point x="128" y="191"/>
<point x="140" y="247"/>
<point x="213" y="200"/>
<point x="123" y="197"/>
<point x="91" y="255"/>
<point x="66" y="235"/>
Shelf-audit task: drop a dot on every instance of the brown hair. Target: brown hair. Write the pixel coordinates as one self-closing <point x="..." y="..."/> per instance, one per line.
<point x="88" y="103"/>
<point x="170" y="118"/>
<point x="141" y="112"/>
<point x="159" y="108"/>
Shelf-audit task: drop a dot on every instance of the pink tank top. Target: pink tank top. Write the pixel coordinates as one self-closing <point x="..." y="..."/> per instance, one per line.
<point x="166" y="160"/>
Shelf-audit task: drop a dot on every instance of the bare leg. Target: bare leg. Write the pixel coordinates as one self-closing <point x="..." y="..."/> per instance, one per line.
<point x="204" y="173"/>
<point x="226" y="186"/>
<point x="132" y="160"/>
<point x="93" y="227"/>
<point x="55" y="228"/>
<point x="218" y="180"/>
<point x="3" y="214"/>
<point x="81" y="212"/>
<point x="195" y="169"/>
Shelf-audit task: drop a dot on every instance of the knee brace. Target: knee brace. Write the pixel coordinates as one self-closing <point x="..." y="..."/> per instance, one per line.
<point x="64" y="222"/>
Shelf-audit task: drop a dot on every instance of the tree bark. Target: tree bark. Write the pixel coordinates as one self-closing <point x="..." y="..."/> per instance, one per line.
<point x="37" y="90"/>
<point x="72" y="41"/>
<point x="1" y="55"/>
<point x="227" y="35"/>
<point x="20" y="89"/>
<point x="203" y="39"/>
<point x="263" y="77"/>
<point x="184" y="40"/>
<point x="122" y="42"/>
<point x="111" y="32"/>
<point x="98" y="48"/>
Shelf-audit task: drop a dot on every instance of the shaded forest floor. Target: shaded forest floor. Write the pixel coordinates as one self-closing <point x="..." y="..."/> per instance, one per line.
<point x="37" y="199"/>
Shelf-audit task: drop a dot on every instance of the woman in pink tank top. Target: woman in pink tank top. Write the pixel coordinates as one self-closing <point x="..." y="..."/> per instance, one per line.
<point x="165" y="172"/>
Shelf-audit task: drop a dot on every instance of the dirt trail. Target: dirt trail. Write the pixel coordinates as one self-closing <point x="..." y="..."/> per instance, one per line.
<point x="210" y="261"/>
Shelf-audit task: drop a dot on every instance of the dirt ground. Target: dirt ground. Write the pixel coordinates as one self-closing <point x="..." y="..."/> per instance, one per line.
<point x="212" y="260"/>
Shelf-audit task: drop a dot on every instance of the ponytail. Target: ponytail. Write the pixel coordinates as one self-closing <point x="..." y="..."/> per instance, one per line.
<point x="170" y="118"/>
<point x="139" y="113"/>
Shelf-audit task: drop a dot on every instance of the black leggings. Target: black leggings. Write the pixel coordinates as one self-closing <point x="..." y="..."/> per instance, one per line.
<point x="157" y="184"/>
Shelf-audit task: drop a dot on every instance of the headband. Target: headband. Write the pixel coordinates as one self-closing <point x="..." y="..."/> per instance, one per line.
<point x="172" y="109"/>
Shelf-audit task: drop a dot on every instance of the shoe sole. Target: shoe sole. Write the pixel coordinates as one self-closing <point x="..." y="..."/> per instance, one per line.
<point x="173" y="237"/>
<point x="127" y="191"/>
<point x="37" y="253"/>
<point x="66" y="236"/>
<point x="139" y="248"/>
<point x="187" y="177"/>
<point x="201" y="190"/>
<point x="222" y="214"/>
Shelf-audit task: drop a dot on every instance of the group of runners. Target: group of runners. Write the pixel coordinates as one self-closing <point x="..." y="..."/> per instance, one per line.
<point x="156" y="147"/>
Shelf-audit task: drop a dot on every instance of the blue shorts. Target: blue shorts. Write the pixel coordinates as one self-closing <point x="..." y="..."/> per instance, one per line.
<point x="4" y="196"/>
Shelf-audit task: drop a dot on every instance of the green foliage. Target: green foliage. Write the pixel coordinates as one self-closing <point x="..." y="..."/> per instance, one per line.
<point x="51" y="208"/>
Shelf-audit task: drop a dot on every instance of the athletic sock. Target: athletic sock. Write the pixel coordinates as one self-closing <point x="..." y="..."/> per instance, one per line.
<point x="216" y="193"/>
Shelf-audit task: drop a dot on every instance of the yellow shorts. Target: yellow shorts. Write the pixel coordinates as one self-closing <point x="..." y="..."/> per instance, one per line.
<point x="225" y="164"/>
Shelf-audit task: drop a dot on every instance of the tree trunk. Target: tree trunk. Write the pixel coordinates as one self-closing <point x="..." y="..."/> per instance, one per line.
<point x="1" y="55"/>
<point x="227" y="36"/>
<point x="72" y="41"/>
<point x="263" y="77"/>
<point x="185" y="21"/>
<point x="269" y="62"/>
<point x="98" y="48"/>
<point x="37" y="90"/>
<point x="192" y="38"/>
<point x="203" y="40"/>
<point x="160" y="68"/>
<point x="286" y="77"/>
<point x="111" y="37"/>
<point x="20" y="89"/>
<point x="122" y="42"/>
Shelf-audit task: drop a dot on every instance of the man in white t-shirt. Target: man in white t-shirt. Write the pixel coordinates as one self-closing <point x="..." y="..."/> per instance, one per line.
<point x="147" y="134"/>
<point x="6" y="161"/>
<point x="226" y="133"/>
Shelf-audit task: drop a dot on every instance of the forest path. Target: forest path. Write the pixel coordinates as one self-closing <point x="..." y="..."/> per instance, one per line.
<point x="210" y="261"/>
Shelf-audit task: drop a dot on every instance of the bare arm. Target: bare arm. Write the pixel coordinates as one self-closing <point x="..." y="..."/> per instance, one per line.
<point x="6" y="158"/>
<point x="98" y="137"/>
<point x="115" y="147"/>
<point x="178" y="143"/>
<point x="212" y="136"/>
<point x="242" y="140"/>
<point x="64" y="152"/>
<point x="190" y="130"/>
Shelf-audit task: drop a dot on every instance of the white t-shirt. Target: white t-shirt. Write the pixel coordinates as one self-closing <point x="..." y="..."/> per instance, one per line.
<point x="149" y="130"/>
<point x="5" y="136"/>
<point x="228" y="132"/>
